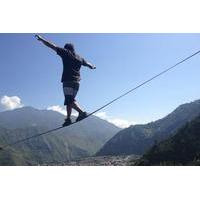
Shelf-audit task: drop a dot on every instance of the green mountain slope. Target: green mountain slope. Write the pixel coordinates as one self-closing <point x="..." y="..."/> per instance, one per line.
<point x="139" y="138"/>
<point x="80" y="140"/>
<point x="180" y="149"/>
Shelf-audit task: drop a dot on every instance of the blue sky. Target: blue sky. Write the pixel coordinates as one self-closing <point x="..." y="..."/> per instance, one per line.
<point x="32" y="72"/>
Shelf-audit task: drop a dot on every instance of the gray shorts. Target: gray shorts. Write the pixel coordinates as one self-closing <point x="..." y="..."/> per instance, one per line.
<point x="70" y="90"/>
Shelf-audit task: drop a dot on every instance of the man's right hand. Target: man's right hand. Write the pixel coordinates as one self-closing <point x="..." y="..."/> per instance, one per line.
<point x="45" y="42"/>
<point x="38" y="37"/>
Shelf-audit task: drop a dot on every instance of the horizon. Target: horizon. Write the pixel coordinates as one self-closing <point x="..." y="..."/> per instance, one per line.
<point x="100" y="117"/>
<point x="31" y="74"/>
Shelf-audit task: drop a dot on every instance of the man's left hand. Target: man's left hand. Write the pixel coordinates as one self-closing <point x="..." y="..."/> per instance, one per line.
<point x="92" y="67"/>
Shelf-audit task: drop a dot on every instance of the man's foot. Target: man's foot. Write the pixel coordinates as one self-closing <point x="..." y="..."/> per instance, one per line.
<point x="67" y="122"/>
<point x="82" y="116"/>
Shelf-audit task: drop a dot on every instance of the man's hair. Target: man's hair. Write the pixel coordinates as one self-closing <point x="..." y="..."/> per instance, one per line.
<point x="70" y="46"/>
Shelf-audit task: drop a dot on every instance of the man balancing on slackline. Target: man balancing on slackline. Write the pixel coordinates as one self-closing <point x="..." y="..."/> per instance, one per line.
<point x="72" y="63"/>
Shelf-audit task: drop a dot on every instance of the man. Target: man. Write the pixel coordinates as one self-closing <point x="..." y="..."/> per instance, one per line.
<point x="72" y="63"/>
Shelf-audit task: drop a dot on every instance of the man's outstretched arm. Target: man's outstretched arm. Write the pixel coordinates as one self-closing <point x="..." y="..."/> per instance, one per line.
<point x="47" y="43"/>
<point x="87" y="64"/>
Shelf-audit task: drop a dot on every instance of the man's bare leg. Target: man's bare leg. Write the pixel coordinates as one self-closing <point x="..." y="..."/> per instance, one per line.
<point x="82" y="114"/>
<point x="76" y="107"/>
<point x="69" y="110"/>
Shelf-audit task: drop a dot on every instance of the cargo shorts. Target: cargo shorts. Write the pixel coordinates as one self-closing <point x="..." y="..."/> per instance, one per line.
<point x="70" y="90"/>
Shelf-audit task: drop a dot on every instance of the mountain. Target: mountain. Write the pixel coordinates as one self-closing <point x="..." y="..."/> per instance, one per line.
<point x="181" y="149"/>
<point x="139" y="138"/>
<point x="79" y="140"/>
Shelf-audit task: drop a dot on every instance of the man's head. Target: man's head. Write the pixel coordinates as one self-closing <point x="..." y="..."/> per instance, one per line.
<point x="70" y="47"/>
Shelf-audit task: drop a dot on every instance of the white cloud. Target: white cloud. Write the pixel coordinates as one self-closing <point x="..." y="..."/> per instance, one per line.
<point x="102" y="115"/>
<point x="122" y="123"/>
<point x="60" y="109"/>
<point x="10" y="103"/>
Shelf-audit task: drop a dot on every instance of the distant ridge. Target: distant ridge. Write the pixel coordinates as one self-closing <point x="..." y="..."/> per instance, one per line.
<point x="139" y="138"/>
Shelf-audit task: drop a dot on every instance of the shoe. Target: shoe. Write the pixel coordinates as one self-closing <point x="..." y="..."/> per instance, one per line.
<point x="67" y="122"/>
<point x="82" y="116"/>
